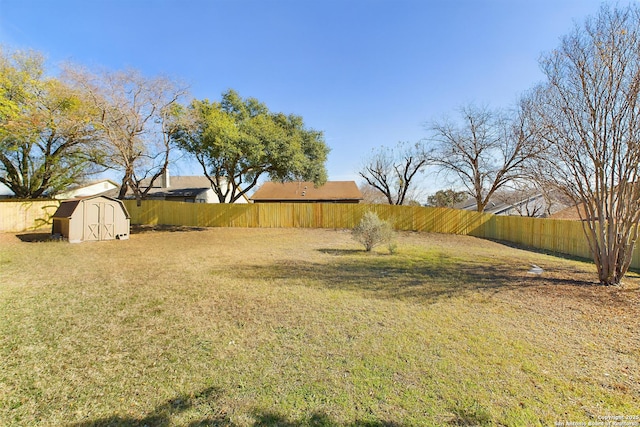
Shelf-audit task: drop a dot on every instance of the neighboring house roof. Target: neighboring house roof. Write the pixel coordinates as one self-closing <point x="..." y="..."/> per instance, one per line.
<point x="179" y="186"/>
<point x="569" y="213"/>
<point x="92" y="188"/>
<point x="165" y="187"/>
<point x="535" y="205"/>
<point x="575" y="213"/>
<point x="331" y="191"/>
<point x="467" y="205"/>
<point x="188" y="188"/>
<point x="179" y="182"/>
<point x="5" y="191"/>
<point x="495" y="208"/>
<point x="578" y="212"/>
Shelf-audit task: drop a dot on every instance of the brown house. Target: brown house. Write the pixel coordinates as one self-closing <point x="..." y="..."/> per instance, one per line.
<point x="572" y="212"/>
<point x="91" y="219"/>
<point x="305" y="192"/>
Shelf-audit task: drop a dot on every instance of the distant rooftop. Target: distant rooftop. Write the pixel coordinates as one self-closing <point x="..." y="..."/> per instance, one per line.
<point x="5" y="191"/>
<point x="331" y="191"/>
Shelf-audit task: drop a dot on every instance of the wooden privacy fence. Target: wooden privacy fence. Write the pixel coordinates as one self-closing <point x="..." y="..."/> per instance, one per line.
<point x="303" y="215"/>
<point x="561" y="236"/>
<point x="27" y="215"/>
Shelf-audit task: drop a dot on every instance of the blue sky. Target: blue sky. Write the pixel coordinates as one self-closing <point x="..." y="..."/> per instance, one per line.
<point x="368" y="73"/>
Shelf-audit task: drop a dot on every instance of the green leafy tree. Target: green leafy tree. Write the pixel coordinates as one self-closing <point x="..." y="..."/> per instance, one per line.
<point x="238" y="140"/>
<point x="446" y="198"/>
<point x="47" y="138"/>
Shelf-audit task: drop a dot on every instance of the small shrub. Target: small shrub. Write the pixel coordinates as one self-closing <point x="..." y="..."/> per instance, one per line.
<point x="372" y="231"/>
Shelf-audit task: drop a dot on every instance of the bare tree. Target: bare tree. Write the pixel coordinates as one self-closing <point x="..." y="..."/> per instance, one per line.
<point x="134" y="113"/>
<point x="588" y="113"/>
<point x="485" y="151"/>
<point x="371" y="195"/>
<point x="392" y="171"/>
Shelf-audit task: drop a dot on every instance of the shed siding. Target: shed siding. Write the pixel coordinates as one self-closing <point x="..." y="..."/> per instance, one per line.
<point x="92" y="219"/>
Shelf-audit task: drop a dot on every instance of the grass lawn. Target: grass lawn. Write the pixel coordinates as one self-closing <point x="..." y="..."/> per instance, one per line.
<point x="262" y="327"/>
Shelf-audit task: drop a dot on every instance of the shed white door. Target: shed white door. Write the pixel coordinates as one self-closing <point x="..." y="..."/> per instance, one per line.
<point x="99" y="220"/>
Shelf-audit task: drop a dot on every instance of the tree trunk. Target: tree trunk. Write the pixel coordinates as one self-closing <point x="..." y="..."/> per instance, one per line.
<point x="612" y="252"/>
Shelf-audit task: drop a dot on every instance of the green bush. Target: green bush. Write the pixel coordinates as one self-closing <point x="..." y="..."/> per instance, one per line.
<point x="372" y="231"/>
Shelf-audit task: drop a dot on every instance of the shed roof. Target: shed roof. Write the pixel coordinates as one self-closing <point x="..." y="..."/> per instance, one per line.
<point x="67" y="207"/>
<point x="306" y="191"/>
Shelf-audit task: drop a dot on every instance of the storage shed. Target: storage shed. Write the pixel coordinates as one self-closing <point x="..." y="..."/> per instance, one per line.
<point x="91" y="219"/>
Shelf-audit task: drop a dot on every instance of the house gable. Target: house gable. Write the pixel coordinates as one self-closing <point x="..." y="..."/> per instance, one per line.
<point x="94" y="188"/>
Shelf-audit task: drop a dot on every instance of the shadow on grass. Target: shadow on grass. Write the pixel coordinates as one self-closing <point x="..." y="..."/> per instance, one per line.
<point x="36" y="237"/>
<point x="207" y="400"/>
<point x="542" y="251"/>
<point x="163" y="414"/>
<point x="319" y="419"/>
<point x="342" y="251"/>
<point x="139" y="229"/>
<point x="632" y="272"/>
<point x="425" y="278"/>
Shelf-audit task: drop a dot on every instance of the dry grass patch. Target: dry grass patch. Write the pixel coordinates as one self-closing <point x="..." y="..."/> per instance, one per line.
<point x="246" y="327"/>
